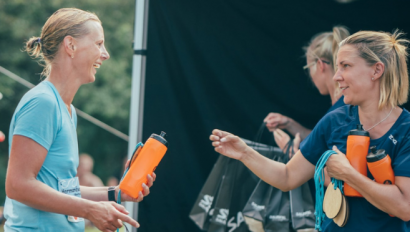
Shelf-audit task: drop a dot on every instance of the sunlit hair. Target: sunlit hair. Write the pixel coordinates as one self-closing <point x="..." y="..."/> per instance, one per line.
<point x="325" y="46"/>
<point x="64" y="22"/>
<point x="389" y="49"/>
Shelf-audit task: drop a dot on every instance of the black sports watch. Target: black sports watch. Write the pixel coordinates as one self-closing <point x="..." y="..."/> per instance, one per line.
<point x="111" y="193"/>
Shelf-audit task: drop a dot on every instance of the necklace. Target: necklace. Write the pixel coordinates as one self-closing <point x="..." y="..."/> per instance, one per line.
<point x="380" y="121"/>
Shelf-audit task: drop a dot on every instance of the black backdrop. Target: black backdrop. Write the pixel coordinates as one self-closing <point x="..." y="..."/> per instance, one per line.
<point x="226" y="64"/>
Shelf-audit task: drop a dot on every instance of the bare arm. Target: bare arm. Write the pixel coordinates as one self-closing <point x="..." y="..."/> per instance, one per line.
<point x="276" y="120"/>
<point x="21" y="180"/>
<point x="94" y="193"/>
<point x="284" y="177"/>
<point x="393" y="199"/>
<point x="101" y="193"/>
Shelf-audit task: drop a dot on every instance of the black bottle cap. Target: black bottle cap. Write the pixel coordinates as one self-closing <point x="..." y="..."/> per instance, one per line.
<point x="359" y="131"/>
<point x="375" y="155"/>
<point x="160" y="138"/>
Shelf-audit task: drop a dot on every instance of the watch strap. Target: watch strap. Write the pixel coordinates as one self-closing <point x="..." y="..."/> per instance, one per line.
<point x="111" y="193"/>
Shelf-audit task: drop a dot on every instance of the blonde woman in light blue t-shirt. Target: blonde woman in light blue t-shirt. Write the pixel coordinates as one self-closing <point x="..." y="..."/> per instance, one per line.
<point x="43" y="192"/>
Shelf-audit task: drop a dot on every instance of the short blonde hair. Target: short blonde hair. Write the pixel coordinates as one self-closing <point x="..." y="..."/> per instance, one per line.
<point x="64" y="22"/>
<point x="389" y="49"/>
<point x="325" y="45"/>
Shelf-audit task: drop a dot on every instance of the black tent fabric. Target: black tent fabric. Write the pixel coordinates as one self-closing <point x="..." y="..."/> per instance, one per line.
<point x="226" y="64"/>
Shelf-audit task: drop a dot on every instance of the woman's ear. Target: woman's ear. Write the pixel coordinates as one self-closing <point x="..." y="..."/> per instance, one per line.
<point x="320" y="65"/>
<point x="69" y="46"/>
<point x="378" y="70"/>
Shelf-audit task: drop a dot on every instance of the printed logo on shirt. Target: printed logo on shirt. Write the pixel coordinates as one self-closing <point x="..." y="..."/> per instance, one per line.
<point x="70" y="187"/>
<point x="74" y="219"/>
<point x="393" y="139"/>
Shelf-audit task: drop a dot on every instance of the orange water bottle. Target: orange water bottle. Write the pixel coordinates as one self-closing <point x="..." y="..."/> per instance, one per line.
<point x="358" y="142"/>
<point x="379" y="164"/>
<point x="145" y="162"/>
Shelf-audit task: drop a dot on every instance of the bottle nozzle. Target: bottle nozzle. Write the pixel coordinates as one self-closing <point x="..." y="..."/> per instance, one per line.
<point x="163" y="134"/>
<point x="373" y="149"/>
<point x="359" y="131"/>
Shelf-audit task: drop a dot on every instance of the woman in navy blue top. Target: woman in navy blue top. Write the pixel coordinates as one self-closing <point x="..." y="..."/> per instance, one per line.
<point x="372" y="74"/>
<point x="320" y="66"/>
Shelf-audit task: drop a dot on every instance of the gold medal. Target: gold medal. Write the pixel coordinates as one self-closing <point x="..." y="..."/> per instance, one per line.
<point x="332" y="202"/>
<point x="343" y="215"/>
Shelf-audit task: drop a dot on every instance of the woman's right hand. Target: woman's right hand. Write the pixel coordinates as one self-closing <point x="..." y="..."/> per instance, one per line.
<point x="108" y="216"/>
<point x="275" y="120"/>
<point x="228" y="144"/>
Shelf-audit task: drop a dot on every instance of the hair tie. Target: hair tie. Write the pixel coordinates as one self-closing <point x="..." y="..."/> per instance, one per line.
<point x="38" y="40"/>
<point x="394" y="42"/>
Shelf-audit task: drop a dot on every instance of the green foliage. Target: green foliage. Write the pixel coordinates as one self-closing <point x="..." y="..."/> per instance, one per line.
<point x="108" y="99"/>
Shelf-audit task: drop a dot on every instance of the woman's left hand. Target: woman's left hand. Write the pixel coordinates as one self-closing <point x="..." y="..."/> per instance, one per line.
<point x="141" y="195"/>
<point x="338" y="165"/>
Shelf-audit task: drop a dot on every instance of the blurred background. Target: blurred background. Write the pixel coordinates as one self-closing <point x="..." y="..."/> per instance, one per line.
<point x="210" y="64"/>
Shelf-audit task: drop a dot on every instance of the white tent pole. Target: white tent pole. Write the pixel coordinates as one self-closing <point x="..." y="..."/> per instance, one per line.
<point x="138" y="86"/>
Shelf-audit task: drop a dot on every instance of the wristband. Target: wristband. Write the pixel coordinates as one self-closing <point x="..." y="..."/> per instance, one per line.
<point x="111" y="193"/>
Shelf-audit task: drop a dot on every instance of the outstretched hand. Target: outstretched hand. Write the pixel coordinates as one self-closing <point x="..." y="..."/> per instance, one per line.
<point x="228" y="144"/>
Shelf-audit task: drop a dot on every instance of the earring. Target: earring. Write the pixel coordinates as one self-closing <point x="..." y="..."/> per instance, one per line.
<point x="372" y="78"/>
<point x="72" y="56"/>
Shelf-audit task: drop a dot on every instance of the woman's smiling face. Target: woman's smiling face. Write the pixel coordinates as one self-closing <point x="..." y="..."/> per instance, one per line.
<point x="90" y="52"/>
<point x="353" y="75"/>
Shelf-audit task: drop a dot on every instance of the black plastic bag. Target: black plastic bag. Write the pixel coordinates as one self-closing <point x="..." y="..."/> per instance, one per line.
<point x="268" y="208"/>
<point x="202" y="210"/>
<point x="223" y="199"/>
<point x="244" y="184"/>
<point x="277" y="217"/>
<point x="237" y="185"/>
<point x="254" y="212"/>
<point x="302" y="207"/>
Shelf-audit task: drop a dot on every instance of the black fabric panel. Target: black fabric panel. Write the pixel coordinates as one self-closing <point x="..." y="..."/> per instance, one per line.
<point x="226" y="64"/>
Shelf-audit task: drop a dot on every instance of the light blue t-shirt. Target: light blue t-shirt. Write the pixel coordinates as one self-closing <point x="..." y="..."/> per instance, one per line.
<point x="43" y="117"/>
